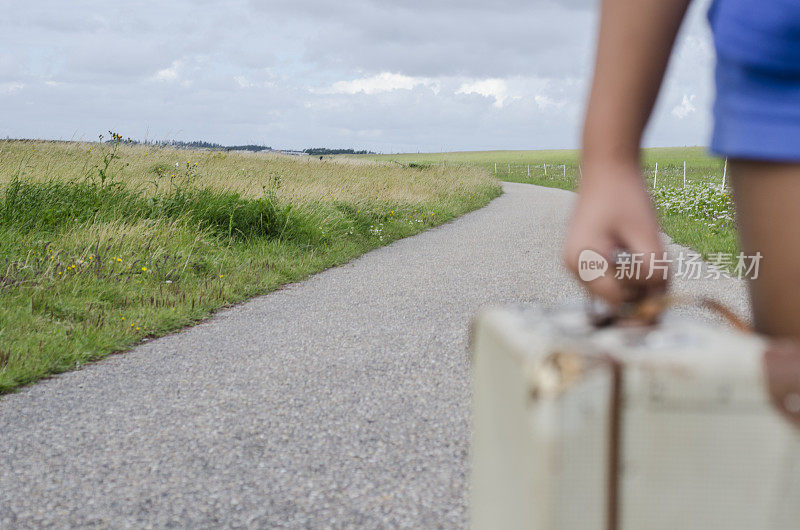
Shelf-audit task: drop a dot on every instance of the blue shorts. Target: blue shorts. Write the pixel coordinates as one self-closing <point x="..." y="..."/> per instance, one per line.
<point x="757" y="106"/>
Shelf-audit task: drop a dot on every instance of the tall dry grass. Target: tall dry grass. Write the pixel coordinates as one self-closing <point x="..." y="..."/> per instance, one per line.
<point x="154" y="169"/>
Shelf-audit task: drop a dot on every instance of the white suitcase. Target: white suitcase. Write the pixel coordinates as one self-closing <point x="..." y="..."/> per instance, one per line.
<point x="667" y="427"/>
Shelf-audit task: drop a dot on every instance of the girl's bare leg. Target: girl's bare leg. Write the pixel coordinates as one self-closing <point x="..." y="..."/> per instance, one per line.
<point x="767" y="197"/>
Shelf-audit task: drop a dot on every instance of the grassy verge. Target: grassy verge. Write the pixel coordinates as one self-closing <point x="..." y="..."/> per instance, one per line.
<point x="104" y="244"/>
<point x="697" y="235"/>
<point x="701" y="217"/>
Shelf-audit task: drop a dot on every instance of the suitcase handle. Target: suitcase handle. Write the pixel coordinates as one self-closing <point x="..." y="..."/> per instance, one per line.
<point x="648" y="311"/>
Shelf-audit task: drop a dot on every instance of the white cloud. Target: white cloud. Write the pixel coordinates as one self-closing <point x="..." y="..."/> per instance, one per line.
<point x="685" y="108"/>
<point x="243" y="82"/>
<point x="168" y="74"/>
<point x="10" y="88"/>
<point x="383" y="82"/>
<point x="489" y="88"/>
<point x="545" y="102"/>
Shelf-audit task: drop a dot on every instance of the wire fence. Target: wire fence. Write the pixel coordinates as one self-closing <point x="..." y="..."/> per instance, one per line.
<point x="569" y="174"/>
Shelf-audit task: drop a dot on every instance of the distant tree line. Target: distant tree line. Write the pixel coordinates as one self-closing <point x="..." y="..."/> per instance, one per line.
<point x="199" y="144"/>
<point x="318" y="151"/>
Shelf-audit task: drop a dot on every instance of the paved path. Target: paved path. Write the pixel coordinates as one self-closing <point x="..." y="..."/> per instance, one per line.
<point x="339" y="401"/>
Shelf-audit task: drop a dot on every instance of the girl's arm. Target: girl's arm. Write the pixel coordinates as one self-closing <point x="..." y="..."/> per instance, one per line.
<point x="614" y="210"/>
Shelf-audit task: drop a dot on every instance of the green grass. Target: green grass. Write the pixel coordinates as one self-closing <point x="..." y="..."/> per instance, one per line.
<point x="694" y="234"/>
<point x="103" y="245"/>
<point x="563" y="171"/>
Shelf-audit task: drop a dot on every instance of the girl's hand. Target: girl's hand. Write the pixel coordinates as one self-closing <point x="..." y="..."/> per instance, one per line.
<point x="614" y="213"/>
<point x="614" y="210"/>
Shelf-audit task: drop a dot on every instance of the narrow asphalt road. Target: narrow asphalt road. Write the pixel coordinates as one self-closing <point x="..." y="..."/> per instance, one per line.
<point x="340" y="401"/>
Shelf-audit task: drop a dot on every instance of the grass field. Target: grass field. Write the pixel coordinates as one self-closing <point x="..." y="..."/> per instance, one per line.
<point x="105" y="244"/>
<point x="699" y="216"/>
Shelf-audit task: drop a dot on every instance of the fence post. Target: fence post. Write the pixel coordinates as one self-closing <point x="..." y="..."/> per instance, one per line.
<point x="684" y="173"/>
<point x="495" y="168"/>
<point x="724" y="172"/>
<point x="565" y="171"/>
<point x="655" y="177"/>
<point x="509" y="169"/>
<point x="545" y="169"/>
<point x="529" y="171"/>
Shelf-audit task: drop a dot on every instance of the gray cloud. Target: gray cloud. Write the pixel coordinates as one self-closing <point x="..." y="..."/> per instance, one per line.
<point x="417" y="75"/>
<point x="447" y="37"/>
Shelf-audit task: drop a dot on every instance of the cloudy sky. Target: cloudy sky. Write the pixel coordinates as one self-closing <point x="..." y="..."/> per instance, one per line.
<point x="388" y="76"/>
